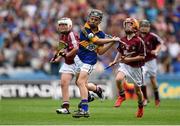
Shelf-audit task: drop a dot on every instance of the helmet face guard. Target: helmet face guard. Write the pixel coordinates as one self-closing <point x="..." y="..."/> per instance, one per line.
<point x="95" y="18"/>
<point x="144" y="26"/>
<point x="64" y="25"/>
<point x="96" y="13"/>
<point x="144" y="23"/>
<point x="134" y="23"/>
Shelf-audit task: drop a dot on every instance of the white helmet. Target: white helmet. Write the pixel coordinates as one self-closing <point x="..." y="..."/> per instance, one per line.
<point x="65" y="20"/>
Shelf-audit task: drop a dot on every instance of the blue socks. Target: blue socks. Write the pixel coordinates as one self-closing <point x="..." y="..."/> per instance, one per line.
<point x="84" y="104"/>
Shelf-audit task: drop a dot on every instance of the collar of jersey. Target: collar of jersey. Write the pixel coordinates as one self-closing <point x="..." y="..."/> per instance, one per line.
<point x="88" y="27"/>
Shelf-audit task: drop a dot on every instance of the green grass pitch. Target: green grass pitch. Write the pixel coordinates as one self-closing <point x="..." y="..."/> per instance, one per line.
<point x="42" y="112"/>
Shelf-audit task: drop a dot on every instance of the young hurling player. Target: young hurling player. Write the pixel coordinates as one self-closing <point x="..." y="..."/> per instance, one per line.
<point x="131" y="53"/>
<point x="153" y="45"/>
<point x="92" y="40"/>
<point x="68" y="69"/>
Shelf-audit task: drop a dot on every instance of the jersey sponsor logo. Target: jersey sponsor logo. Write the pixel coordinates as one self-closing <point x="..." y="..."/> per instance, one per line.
<point x="126" y="53"/>
<point x="91" y="47"/>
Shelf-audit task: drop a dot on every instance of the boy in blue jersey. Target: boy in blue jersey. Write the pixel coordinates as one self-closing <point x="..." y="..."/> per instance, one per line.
<point x="92" y="42"/>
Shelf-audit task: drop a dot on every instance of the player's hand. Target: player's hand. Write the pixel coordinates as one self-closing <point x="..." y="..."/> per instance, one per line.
<point x="58" y="56"/>
<point x="122" y="59"/>
<point x="116" y="39"/>
<point x="53" y="60"/>
<point x="154" y="52"/>
<point x="62" y="53"/>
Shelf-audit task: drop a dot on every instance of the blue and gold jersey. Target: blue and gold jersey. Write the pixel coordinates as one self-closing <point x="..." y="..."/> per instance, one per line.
<point x="87" y="49"/>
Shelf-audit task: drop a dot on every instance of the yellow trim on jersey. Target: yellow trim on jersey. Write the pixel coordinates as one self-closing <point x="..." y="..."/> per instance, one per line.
<point x="84" y="43"/>
<point x="87" y="26"/>
<point x="94" y="39"/>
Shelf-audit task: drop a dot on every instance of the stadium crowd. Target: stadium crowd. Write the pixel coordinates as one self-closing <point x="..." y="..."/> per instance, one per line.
<point x="28" y="31"/>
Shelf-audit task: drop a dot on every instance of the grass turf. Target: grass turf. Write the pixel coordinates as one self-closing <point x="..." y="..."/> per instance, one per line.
<point x="42" y="112"/>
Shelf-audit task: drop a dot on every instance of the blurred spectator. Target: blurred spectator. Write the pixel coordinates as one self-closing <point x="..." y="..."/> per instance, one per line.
<point x="2" y="59"/>
<point x="176" y="64"/>
<point x="21" y="60"/>
<point x="151" y="12"/>
<point x="160" y="25"/>
<point x="172" y="46"/>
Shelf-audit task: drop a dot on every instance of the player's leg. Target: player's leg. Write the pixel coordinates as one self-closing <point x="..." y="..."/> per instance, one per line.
<point x="96" y="89"/>
<point x="121" y="93"/>
<point x="139" y="94"/>
<point x="136" y="75"/>
<point x="144" y="91"/>
<point x="81" y="83"/>
<point x="90" y="96"/>
<point x="65" y="81"/>
<point x="153" y="73"/>
<point x="144" y="87"/>
<point x="145" y="96"/>
<point x="155" y="90"/>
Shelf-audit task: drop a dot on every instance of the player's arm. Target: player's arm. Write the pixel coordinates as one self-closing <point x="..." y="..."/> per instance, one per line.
<point x="158" y="47"/>
<point x="72" y="52"/>
<point x="159" y="42"/>
<point x="101" y="50"/>
<point x="99" y="41"/>
<point x="75" y="45"/>
<point x="95" y="39"/>
<point x="63" y="54"/>
<point x="157" y="50"/>
<point x="132" y="59"/>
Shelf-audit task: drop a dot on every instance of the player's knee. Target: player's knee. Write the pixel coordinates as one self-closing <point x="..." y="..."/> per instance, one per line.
<point x="64" y="83"/>
<point x="79" y="82"/>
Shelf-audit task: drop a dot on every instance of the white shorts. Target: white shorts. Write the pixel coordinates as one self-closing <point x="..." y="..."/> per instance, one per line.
<point x="65" y="68"/>
<point x="83" y="66"/>
<point x="72" y="69"/>
<point x="150" y="68"/>
<point x="132" y="74"/>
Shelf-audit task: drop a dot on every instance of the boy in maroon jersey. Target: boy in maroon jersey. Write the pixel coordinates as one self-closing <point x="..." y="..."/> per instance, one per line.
<point x="153" y="46"/>
<point x="131" y="54"/>
<point x="68" y="69"/>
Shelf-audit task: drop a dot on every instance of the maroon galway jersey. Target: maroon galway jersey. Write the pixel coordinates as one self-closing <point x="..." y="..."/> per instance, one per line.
<point x="132" y="48"/>
<point x="72" y="39"/>
<point x="151" y="41"/>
